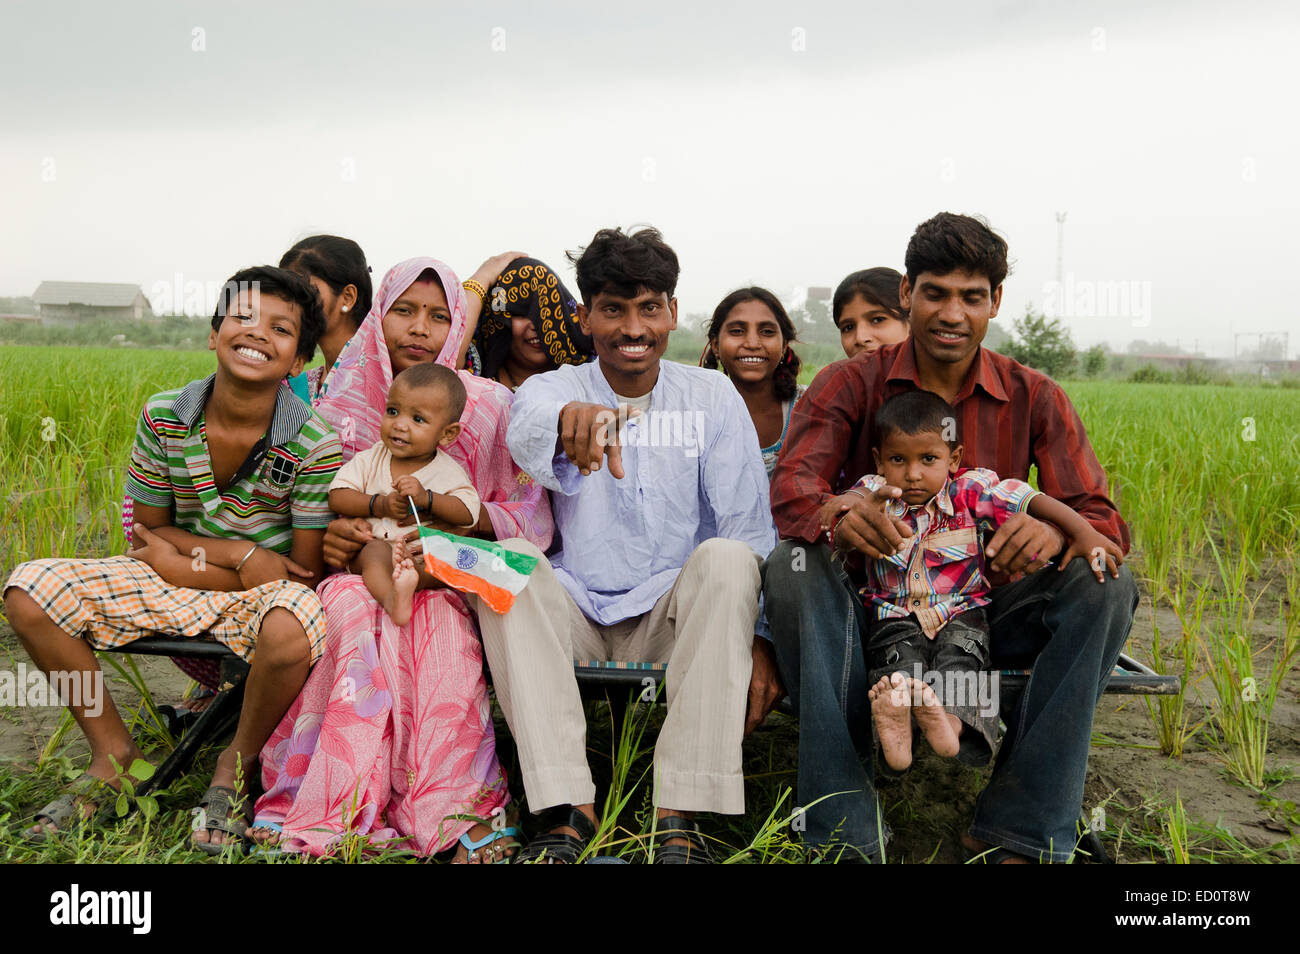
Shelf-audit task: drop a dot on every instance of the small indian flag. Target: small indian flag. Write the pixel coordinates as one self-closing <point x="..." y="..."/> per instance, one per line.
<point x="482" y="567"/>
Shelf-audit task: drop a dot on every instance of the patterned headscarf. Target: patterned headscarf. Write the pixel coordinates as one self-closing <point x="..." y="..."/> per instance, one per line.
<point x="529" y="288"/>
<point x="358" y="388"/>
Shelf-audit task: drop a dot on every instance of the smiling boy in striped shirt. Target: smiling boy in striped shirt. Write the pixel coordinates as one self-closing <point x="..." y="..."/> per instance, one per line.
<point x="229" y="476"/>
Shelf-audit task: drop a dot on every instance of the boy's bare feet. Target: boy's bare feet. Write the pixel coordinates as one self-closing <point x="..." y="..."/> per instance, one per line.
<point x="934" y="720"/>
<point x="405" y="579"/>
<point x="891" y="710"/>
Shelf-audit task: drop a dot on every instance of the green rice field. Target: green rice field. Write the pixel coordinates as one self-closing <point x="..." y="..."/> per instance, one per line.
<point x="1208" y="479"/>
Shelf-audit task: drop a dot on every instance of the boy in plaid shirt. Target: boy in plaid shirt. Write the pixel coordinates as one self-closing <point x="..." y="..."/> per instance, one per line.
<point x="929" y="639"/>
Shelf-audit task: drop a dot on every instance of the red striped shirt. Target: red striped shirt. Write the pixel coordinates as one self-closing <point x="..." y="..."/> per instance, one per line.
<point x="1011" y="418"/>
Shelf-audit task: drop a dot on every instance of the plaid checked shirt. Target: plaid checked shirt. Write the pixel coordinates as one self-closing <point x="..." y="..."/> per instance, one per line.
<point x="1011" y="418"/>
<point x="939" y="572"/>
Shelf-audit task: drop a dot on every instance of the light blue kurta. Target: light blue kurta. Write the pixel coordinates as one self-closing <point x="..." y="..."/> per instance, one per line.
<point x="692" y="471"/>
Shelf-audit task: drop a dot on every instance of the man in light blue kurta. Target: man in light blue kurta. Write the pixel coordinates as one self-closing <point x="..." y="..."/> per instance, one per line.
<point x="663" y="519"/>
<point x="691" y="474"/>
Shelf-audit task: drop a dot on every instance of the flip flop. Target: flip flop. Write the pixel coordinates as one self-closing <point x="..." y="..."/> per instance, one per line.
<point x="68" y="808"/>
<point x="496" y="854"/>
<point x="990" y="855"/>
<point x="261" y="849"/>
<point x="213" y="813"/>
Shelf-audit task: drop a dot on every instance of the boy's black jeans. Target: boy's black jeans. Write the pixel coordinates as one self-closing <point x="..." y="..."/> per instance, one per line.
<point x="955" y="664"/>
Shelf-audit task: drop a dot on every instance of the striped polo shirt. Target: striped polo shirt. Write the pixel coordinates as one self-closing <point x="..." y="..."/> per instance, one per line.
<point x="283" y="485"/>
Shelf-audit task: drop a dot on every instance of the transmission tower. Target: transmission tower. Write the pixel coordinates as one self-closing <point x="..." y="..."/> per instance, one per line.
<point x="1060" y="248"/>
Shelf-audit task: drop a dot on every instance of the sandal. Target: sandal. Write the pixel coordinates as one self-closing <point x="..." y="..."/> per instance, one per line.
<point x="554" y="848"/>
<point x="213" y="813"/>
<point x="68" y="809"/>
<point x="497" y="853"/>
<point x="264" y="849"/>
<point x="694" y="852"/>
<point x="978" y="853"/>
<point x="840" y="854"/>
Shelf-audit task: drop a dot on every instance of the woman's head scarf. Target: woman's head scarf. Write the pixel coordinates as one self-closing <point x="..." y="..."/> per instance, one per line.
<point x="528" y="288"/>
<point x="358" y="388"/>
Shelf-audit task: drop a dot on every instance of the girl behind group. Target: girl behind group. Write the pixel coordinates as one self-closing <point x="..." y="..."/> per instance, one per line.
<point x="749" y="339"/>
<point x="337" y="269"/>
<point x="866" y="310"/>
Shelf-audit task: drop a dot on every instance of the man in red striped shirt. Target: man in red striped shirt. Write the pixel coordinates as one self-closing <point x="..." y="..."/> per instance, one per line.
<point x="1065" y="625"/>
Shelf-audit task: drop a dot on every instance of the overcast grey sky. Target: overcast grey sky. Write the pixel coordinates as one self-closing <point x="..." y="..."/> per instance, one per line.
<point x="784" y="144"/>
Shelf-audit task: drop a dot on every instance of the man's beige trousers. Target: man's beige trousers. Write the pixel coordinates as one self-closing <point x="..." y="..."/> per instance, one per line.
<point x="703" y="628"/>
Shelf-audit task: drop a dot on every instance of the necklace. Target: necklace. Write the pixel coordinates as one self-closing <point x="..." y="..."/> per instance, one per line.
<point x="505" y="377"/>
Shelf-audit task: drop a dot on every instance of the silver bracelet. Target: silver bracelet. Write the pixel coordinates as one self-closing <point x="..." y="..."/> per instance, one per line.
<point x="240" y="565"/>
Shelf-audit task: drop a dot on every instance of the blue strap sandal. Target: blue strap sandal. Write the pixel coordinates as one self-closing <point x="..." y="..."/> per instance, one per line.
<point x="258" y="849"/>
<point x="497" y="853"/>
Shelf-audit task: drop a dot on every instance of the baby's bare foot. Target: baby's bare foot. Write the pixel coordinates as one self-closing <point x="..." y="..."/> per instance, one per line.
<point x="405" y="580"/>
<point x="935" y="721"/>
<point x="892" y="713"/>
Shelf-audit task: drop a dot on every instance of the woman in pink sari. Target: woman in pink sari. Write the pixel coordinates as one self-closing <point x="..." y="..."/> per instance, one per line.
<point x="392" y="735"/>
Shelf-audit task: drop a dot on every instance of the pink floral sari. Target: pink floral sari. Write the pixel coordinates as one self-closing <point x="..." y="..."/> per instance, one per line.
<point x="392" y="738"/>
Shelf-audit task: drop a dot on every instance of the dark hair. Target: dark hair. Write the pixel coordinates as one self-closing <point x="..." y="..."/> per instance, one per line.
<point x="878" y="285"/>
<point x="429" y="375"/>
<point x="624" y="264"/>
<point x="281" y="283"/>
<point x="338" y="262"/>
<point x="948" y="242"/>
<point x="785" y="380"/>
<point x="917" y="412"/>
<point x="431" y="276"/>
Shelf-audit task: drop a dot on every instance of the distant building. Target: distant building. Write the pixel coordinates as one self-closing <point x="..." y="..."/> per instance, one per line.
<point x="820" y="293"/>
<point x="1161" y="359"/>
<point x="1256" y="366"/>
<point x="66" y="302"/>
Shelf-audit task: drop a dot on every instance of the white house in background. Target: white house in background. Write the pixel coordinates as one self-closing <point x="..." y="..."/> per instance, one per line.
<point x="67" y="302"/>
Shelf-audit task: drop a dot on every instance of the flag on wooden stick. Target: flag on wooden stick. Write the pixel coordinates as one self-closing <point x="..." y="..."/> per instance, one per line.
<point x="482" y="567"/>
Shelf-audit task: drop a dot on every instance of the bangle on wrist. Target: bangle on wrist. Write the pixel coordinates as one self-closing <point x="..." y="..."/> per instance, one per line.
<point x="240" y="565"/>
<point x="475" y="286"/>
<point x="835" y="522"/>
<point x="371" y="508"/>
<point x="430" y="502"/>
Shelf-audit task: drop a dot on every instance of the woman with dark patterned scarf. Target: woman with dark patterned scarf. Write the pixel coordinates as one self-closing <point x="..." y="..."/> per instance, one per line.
<point x="529" y="324"/>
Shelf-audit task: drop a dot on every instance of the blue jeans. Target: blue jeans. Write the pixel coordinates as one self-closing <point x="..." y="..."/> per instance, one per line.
<point x="1065" y="625"/>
